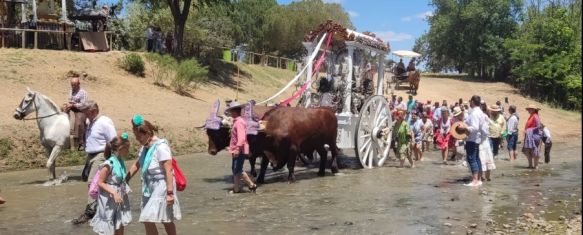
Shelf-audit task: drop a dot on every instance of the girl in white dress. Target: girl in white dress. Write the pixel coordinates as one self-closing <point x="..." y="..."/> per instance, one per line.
<point x="159" y="201"/>
<point x="113" y="205"/>
<point x="486" y="155"/>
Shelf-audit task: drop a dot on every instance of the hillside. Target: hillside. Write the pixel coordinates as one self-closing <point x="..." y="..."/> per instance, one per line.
<point x="120" y="95"/>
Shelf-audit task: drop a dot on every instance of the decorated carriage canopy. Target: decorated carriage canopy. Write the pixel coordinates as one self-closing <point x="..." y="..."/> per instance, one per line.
<point x="367" y="40"/>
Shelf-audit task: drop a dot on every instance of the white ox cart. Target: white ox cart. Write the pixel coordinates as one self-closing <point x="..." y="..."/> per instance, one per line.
<point x="364" y="119"/>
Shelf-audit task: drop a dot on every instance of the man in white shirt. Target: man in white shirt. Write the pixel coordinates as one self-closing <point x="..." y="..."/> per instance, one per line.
<point x="512" y="129"/>
<point x="476" y="127"/>
<point x="99" y="132"/>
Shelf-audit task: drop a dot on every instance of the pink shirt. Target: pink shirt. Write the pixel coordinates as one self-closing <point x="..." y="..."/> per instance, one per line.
<point x="239" y="137"/>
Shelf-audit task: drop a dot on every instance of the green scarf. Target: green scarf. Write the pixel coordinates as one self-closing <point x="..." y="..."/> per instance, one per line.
<point x="118" y="167"/>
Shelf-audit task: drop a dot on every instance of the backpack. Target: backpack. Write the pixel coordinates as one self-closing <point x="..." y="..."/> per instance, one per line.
<point x="94" y="186"/>
<point x="178" y="175"/>
<point x="180" y="179"/>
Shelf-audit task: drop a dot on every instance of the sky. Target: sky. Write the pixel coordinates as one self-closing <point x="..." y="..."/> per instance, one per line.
<point x="398" y="21"/>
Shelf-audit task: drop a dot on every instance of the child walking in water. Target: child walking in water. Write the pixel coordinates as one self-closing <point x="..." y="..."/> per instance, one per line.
<point x="403" y="135"/>
<point x="113" y="205"/>
<point x="159" y="200"/>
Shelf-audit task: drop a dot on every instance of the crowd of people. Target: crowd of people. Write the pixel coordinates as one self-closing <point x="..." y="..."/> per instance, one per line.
<point x="481" y="129"/>
<point x="106" y="151"/>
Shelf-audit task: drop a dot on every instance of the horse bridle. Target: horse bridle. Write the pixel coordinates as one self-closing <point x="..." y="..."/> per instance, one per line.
<point x="35" y="107"/>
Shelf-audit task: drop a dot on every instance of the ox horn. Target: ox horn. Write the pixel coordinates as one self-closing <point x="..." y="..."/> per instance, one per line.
<point x="200" y="127"/>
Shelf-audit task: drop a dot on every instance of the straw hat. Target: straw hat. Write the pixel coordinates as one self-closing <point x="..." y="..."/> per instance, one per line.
<point x="457" y="135"/>
<point x="532" y="106"/>
<point x="457" y="111"/>
<point x="234" y="105"/>
<point x="495" y="108"/>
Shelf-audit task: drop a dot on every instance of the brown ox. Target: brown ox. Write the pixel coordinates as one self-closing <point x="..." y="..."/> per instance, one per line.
<point x="219" y="140"/>
<point x="293" y="130"/>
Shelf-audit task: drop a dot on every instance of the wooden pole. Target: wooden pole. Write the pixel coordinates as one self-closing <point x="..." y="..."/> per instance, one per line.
<point x="23" y="41"/>
<point x="237" y="91"/>
<point x="35" y="40"/>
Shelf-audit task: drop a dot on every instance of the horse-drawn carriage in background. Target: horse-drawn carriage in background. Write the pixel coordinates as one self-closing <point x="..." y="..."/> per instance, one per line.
<point x="411" y="76"/>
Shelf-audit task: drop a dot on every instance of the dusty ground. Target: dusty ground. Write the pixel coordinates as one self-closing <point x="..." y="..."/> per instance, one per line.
<point x="120" y="95"/>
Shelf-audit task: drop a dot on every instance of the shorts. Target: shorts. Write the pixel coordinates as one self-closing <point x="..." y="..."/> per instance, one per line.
<point x="512" y="139"/>
<point x="237" y="165"/>
<point x="402" y="151"/>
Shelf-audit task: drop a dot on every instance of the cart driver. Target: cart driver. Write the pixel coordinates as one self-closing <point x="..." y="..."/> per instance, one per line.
<point x="401" y="67"/>
<point x="411" y="66"/>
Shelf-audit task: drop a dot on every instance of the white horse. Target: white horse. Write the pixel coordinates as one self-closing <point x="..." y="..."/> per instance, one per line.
<point x="52" y="123"/>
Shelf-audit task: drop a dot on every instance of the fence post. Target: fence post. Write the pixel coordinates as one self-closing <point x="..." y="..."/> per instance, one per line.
<point x="35" y="40"/>
<point x="110" y="41"/>
<point x="3" y="41"/>
<point x="23" y="41"/>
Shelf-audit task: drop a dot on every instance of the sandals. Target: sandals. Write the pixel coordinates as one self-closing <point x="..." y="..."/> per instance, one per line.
<point x="253" y="188"/>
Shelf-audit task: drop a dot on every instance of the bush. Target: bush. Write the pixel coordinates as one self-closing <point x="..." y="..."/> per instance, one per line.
<point x="162" y="66"/>
<point x="5" y="147"/>
<point x="189" y="75"/>
<point x="133" y="63"/>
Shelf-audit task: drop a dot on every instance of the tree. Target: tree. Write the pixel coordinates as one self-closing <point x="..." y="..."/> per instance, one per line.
<point x="467" y="35"/>
<point x="179" y="15"/>
<point x="287" y="24"/>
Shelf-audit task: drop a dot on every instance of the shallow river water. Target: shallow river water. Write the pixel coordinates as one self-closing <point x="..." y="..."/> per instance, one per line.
<point x="429" y="199"/>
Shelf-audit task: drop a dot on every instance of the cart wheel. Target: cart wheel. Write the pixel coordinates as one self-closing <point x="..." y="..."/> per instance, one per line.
<point x="372" y="138"/>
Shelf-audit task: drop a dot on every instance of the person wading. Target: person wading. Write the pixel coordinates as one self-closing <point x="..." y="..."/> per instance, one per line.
<point x="532" y="137"/>
<point x="476" y="127"/>
<point x="99" y="132"/>
<point x="77" y="97"/>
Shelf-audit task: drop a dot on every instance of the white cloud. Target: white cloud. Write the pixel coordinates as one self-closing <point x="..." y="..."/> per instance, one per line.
<point x="393" y="37"/>
<point x="421" y="16"/>
<point x="406" y="18"/>
<point x="424" y="15"/>
<point x="353" y="14"/>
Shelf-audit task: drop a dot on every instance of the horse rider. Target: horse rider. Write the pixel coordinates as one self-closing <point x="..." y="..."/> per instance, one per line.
<point x="401" y="67"/>
<point x="99" y="132"/>
<point x="77" y="97"/>
<point x="411" y="66"/>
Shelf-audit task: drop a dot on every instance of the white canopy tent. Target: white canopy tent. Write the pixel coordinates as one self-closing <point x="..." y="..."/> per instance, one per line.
<point x="406" y="54"/>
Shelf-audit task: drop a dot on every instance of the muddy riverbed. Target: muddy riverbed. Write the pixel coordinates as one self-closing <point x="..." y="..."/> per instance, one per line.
<point x="429" y="199"/>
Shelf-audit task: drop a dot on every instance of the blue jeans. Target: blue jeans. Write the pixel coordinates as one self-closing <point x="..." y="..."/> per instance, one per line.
<point x="495" y="145"/>
<point x="237" y="165"/>
<point x="473" y="157"/>
<point x="512" y="139"/>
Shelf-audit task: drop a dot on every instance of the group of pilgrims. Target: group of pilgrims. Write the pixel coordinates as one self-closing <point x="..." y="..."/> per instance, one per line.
<point x="481" y="129"/>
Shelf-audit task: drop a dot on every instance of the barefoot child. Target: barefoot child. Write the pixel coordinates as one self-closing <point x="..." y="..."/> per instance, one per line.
<point x="402" y="135"/>
<point x="113" y="205"/>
